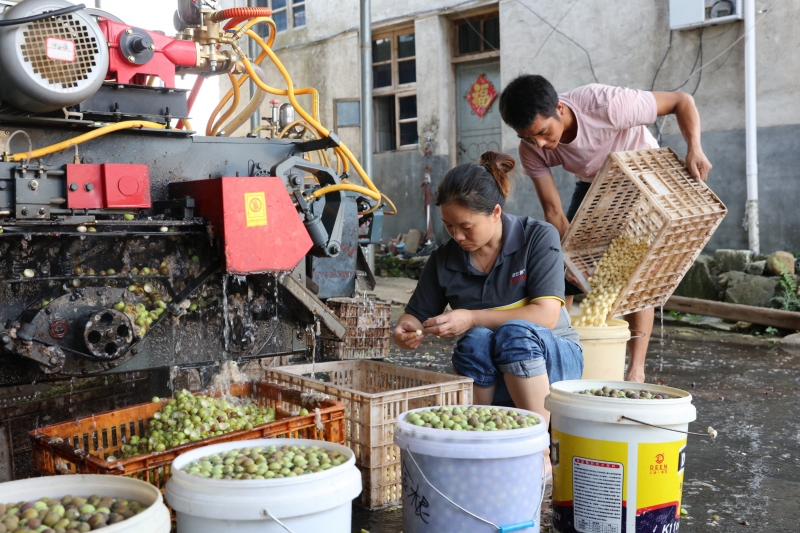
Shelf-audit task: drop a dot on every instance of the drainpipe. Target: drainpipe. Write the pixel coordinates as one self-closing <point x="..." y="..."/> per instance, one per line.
<point x="255" y="118"/>
<point x="751" y="142"/>
<point x="366" y="86"/>
<point x="365" y="37"/>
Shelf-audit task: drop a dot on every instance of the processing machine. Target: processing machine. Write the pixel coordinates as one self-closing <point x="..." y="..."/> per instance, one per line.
<point x="127" y="241"/>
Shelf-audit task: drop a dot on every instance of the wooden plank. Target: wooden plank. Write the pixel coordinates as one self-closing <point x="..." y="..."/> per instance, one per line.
<point x="746" y="313"/>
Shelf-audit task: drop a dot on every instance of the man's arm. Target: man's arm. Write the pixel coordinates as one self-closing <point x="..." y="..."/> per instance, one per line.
<point x="682" y="106"/>
<point x="548" y="195"/>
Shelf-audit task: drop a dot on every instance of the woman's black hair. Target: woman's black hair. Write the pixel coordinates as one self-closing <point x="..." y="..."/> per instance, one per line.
<point x="525" y="98"/>
<point x="478" y="187"/>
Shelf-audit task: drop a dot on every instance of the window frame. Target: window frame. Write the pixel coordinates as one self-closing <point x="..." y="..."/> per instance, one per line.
<point x="485" y="52"/>
<point x="396" y="89"/>
<point x="289" y="10"/>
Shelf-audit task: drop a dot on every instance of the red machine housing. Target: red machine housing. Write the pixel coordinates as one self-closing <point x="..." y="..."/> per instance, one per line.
<point x="168" y="54"/>
<point x="109" y="185"/>
<point x="259" y="225"/>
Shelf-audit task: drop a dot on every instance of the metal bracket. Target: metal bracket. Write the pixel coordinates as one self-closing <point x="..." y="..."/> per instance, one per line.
<point x="325" y="229"/>
<point x="313" y="304"/>
<point x="319" y="144"/>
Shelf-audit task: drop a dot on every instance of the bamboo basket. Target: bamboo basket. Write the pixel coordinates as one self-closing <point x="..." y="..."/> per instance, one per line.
<point x="643" y="194"/>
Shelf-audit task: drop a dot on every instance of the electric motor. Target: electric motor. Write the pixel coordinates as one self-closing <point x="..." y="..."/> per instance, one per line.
<point x="51" y="63"/>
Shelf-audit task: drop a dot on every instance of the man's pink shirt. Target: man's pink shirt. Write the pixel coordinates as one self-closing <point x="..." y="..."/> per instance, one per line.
<point x="610" y="119"/>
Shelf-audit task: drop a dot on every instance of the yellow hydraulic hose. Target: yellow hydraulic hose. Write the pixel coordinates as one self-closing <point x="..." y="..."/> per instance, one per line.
<point x="129" y="124"/>
<point x="282" y="92"/>
<point x="271" y="39"/>
<point x="374" y="192"/>
<point x="231" y="110"/>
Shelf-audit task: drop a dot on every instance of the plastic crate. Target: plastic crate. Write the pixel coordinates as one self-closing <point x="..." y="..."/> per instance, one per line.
<point x="369" y="327"/>
<point x="375" y="394"/>
<point x="81" y="446"/>
<point x="649" y="194"/>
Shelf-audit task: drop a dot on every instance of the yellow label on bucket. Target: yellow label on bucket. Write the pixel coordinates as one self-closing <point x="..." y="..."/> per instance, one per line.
<point x="659" y="485"/>
<point x="590" y="480"/>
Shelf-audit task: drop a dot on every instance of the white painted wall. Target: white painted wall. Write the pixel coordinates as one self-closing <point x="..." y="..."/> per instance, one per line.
<point x="626" y="40"/>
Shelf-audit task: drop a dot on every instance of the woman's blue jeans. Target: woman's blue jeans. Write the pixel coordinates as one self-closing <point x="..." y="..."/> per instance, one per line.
<point x="519" y="348"/>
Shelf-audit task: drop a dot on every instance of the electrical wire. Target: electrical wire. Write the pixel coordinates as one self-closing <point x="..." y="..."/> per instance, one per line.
<point x="541" y="46"/>
<point x="663" y="59"/>
<point x="42" y="16"/>
<point x="567" y="37"/>
<point x="697" y="58"/>
<point x="744" y="34"/>
<point x="230" y="111"/>
<point x="479" y="34"/>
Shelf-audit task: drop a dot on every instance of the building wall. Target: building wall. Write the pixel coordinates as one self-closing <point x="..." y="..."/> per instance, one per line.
<point x="625" y="41"/>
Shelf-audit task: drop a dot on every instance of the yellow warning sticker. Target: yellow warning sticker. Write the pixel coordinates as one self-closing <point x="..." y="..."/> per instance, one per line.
<point x="255" y="206"/>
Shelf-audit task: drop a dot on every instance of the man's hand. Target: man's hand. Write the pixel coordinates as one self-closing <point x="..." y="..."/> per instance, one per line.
<point x="407" y="335"/>
<point x="698" y="164"/>
<point x="450" y="324"/>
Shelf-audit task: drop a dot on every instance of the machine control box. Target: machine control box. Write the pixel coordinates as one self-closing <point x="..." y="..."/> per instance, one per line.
<point x="256" y="219"/>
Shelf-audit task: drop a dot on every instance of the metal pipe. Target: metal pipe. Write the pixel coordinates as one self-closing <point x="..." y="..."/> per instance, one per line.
<point x="366" y="87"/>
<point x="252" y="51"/>
<point x="367" y="130"/>
<point x="751" y="141"/>
<point x="97" y="4"/>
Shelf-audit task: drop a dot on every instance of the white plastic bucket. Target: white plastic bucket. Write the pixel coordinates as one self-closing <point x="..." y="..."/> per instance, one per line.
<point x="604" y="350"/>
<point x="495" y="475"/>
<point x="309" y="503"/>
<point x="155" y="519"/>
<point x="611" y="473"/>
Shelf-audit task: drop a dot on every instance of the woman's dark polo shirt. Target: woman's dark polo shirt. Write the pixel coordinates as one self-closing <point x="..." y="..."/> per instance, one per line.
<point x="529" y="267"/>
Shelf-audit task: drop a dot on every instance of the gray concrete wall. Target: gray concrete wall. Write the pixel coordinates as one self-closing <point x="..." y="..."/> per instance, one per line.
<point x="625" y="40"/>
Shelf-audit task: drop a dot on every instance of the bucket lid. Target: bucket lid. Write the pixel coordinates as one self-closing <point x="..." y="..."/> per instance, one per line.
<point x="564" y="400"/>
<point x="472" y="444"/>
<point x="237" y="499"/>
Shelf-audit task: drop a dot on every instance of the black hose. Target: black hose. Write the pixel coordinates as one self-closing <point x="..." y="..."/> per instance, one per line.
<point x="41" y="16"/>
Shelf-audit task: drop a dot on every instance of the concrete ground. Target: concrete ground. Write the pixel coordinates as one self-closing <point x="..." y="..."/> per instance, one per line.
<point x="746" y="388"/>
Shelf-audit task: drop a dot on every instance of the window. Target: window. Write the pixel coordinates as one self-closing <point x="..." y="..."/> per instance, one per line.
<point x="394" y="79"/>
<point x="286" y="14"/>
<point x="477" y="35"/>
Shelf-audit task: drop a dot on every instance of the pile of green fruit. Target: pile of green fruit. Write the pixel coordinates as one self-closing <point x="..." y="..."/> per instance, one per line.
<point x="265" y="463"/>
<point x="630" y="394"/>
<point x="66" y="515"/>
<point x="189" y="418"/>
<point x="472" y="418"/>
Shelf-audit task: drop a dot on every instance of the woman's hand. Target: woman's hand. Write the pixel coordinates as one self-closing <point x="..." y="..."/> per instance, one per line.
<point x="450" y="324"/>
<point x="408" y="333"/>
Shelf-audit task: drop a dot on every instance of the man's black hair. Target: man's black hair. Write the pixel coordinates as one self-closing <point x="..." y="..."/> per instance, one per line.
<point x="525" y="98"/>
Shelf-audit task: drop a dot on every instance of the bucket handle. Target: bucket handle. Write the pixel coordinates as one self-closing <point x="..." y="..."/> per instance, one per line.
<point x="500" y="529"/>
<point x="266" y="512"/>
<point x="709" y="431"/>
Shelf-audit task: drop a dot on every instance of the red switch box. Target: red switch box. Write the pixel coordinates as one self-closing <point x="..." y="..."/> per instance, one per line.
<point x="108" y="185"/>
<point x="256" y="219"/>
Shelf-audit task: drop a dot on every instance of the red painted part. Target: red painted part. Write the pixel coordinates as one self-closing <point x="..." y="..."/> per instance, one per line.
<point x="81" y="176"/>
<point x="241" y="12"/>
<point x="169" y="53"/>
<point x="276" y="239"/>
<point x="112" y="186"/>
<point x="126" y="186"/>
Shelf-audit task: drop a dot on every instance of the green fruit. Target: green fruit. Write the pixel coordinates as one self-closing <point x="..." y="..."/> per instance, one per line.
<point x="128" y="216"/>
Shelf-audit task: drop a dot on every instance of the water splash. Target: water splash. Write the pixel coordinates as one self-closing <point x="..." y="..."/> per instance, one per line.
<point x="225" y="329"/>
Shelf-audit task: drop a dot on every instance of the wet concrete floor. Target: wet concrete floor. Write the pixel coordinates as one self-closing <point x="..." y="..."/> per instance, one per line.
<point x="748" y="478"/>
